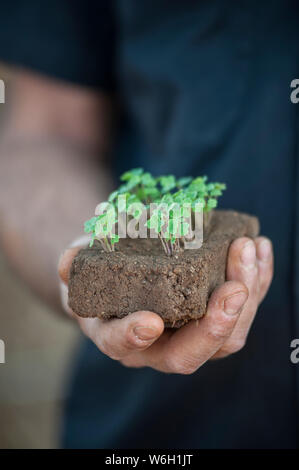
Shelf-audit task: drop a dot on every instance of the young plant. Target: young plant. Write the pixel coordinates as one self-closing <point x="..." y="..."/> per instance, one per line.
<point x="101" y="228"/>
<point x="169" y="220"/>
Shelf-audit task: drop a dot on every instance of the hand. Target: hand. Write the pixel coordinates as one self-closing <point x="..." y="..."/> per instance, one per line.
<point x="139" y="339"/>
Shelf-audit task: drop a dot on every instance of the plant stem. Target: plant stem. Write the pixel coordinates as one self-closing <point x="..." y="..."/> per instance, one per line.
<point x="177" y="245"/>
<point x="102" y="244"/>
<point x="107" y="245"/>
<point x="163" y="243"/>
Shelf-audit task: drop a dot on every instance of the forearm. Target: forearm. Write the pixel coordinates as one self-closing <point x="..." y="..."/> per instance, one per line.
<point x="48" y="187"/>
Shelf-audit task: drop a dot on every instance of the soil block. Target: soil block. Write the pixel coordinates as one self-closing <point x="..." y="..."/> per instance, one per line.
<point x="140" y="276"/>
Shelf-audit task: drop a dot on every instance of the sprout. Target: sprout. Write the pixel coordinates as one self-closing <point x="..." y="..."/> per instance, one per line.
<point x="174" y="201"/>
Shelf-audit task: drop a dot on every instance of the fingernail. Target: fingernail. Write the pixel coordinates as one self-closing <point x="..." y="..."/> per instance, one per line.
<point x="234" y="303"/>
<point x="264" y="250"/>
<point x="248" y="255"/>
<point x="145" y="333"/>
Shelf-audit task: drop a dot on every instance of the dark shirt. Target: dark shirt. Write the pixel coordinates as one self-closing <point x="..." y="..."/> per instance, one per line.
<point x="205" y="87"/>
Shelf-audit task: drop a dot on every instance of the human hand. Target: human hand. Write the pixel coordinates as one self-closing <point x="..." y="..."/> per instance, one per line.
<point x="139" y="339"/>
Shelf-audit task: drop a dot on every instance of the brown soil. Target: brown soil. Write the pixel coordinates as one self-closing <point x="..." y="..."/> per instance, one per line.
<point x="139" y="275"/>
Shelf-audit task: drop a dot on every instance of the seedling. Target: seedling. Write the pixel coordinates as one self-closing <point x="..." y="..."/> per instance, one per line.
<point x="169" y="204"/>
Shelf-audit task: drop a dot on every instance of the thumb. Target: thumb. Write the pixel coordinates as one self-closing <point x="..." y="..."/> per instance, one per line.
<point x="66" y="259"/>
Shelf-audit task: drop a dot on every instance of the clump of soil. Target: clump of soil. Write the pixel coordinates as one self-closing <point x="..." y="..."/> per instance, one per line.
<point x="139" y="275"/>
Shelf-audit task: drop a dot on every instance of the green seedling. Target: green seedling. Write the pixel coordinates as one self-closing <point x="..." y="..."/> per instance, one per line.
<point x="174" y="202"/>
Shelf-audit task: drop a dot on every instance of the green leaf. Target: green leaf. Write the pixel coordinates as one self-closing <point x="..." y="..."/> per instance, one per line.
<point x="215" y="192"/>
<point x="167" y="199"/>
<point x="89" y="225"/>
<point x="183" y="181"/>
<point x="123" y="189"/>
<point x="191" y="194"/>
<point x="128" y="175"/>
<point x="114" y="239"/>
<point x="212" y="203"/>
<point x="167" y="183"/>
<point x="133" y="182"/>
<point x="199" y="187"/>
<point x="179" y="196"/>
<point x="200" y="179"/>
<point x="148" y="180"/>
<point x="151" y="192"/>
<point x="132" y="199"/>
<point x="112" y="196"/>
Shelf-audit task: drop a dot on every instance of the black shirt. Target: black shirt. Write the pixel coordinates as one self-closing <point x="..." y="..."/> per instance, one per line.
<point x="205" y="88"/>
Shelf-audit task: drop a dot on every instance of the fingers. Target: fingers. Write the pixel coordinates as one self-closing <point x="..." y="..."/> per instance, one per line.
<point x="66" y="259"/>
<point x="121" y="337"/>
<point x="249" y="262"/>
<point x="242" y="267"/>
<point x="64" y="268"/>
<point x="65" y="263"/>
<point x="187" y="349"/>
<point x="265" y="264"/>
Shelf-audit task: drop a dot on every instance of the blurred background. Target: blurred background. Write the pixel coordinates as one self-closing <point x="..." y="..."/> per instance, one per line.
<point x="39" y="346"/>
